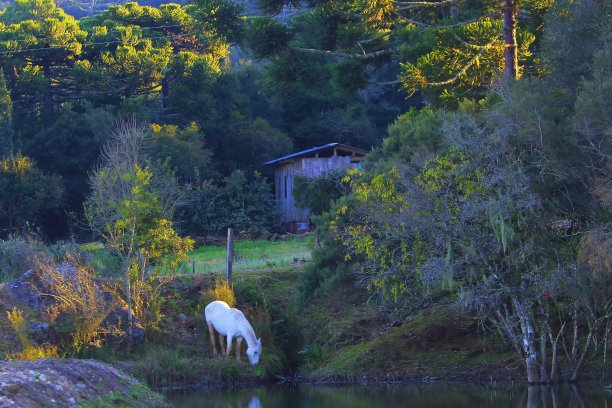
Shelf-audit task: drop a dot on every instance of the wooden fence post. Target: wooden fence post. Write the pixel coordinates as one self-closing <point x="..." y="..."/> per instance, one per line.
<point x="229" y="258"/>
<point x="193" y="267"/>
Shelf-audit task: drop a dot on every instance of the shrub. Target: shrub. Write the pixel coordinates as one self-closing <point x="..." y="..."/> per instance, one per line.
<point x="311" y="353"/>
<point x="17" y="256"/>
<point x="81" y="305"/>
<point x="238" y="202"/>
<point x="29" y="351"/>
<point x="222" y="291"/>
<point x="326" y="269"/>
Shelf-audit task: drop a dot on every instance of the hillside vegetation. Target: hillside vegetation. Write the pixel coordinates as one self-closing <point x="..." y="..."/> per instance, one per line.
<point x="474" y="240"/>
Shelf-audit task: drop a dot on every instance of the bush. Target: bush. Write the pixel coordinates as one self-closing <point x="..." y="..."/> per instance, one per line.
<point x="29" y="351"/>
<point x="222" y="291"/>
<point x="324" y="271"/>
<point x="317" y="194"/>
<point x="17" y="256"/>
<point x="81" y="304"/>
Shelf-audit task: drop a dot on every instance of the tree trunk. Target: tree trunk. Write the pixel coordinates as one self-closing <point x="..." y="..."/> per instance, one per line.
<point x="128" y="295"/>
<point x="553" y="365"/>
<point x="511" y="48"/>
<point x="543" y="355"/>
<point x="577" y="369"/>
<point x="530" y="354"/>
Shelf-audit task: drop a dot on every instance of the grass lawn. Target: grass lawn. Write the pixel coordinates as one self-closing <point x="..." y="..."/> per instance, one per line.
<point x="250" y="255"/>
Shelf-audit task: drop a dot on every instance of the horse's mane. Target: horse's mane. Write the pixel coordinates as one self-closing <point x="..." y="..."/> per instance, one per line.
<point x="249" y="333"/>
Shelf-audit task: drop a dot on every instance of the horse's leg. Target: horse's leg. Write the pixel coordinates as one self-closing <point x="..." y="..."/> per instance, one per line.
<point x="238" y="348"/>
<point x="222" y="343"/>
<point x="229" y="344"/>
<point x="211" y="331"/>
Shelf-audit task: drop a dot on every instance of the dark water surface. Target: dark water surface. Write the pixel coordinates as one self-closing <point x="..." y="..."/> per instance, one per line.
<point x="388" y="396"/>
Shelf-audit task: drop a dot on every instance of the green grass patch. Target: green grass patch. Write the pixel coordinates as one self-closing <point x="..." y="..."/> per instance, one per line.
<point x="255" y="255"/>
<point x="101" y="259"/>
<point x="249" y="256"/>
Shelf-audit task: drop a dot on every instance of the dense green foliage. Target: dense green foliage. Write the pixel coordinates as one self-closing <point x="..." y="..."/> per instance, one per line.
<point x="498" y="206"/>
<point x="317" y="194"/>
<point x="247" y="206"/>
<point x="27" y="194"/>
<point x="449" y="50"/>
<point x="66" y="81"/>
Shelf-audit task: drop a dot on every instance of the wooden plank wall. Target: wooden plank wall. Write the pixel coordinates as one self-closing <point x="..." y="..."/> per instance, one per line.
<point x="309" y="167"/>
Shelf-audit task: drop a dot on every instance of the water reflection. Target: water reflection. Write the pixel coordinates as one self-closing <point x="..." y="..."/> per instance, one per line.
<point x="388" y="396"/>
<point x="255" y="403"/>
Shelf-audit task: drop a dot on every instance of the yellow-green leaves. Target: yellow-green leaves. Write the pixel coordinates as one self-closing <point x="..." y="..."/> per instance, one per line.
<point x="16" y="164"/>
<point x="163" y="245"/>
<point x="448" y="171"/>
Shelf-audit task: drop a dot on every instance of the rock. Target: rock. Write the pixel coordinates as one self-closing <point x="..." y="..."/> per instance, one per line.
<point x="24" y="290"/>
<point x="40" y="332"/>
<point x="12" y="388"/>
<point x="182" y="317"/>
<point x="71" y="383"/>
<point x="117" y="324"/>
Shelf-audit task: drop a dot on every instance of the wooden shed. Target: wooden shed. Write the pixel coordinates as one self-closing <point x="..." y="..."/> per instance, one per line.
<point x="311" y="163"/>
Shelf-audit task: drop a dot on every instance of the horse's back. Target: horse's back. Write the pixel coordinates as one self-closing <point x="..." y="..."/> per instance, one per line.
<point x="223" y="318"/>
<point x="216" y="308"/>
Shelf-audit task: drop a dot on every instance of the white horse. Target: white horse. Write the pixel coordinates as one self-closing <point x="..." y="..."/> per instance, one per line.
<point x="231" y="322"/>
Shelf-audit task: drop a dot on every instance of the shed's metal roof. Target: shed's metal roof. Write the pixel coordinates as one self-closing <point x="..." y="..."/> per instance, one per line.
<point x="314" y="149"/>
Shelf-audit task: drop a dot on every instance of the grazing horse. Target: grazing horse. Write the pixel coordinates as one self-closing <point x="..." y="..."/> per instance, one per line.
<point x="231" y="322"/>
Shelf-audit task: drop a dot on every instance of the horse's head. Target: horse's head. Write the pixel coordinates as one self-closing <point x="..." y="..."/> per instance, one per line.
<point x="254" y="351"/>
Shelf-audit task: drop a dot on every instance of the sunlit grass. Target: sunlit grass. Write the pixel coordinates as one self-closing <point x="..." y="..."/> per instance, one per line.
<point x="252" y="255"/>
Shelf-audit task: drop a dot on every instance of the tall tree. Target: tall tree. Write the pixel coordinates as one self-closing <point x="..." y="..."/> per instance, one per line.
<point x="132" y="212"/>
<point x="449" y="47"/>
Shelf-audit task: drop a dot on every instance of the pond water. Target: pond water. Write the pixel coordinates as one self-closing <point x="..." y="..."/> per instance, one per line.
<point x="388" y="396"/>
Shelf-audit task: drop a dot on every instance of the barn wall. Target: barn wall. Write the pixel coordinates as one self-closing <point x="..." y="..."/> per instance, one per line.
<point x="309" y="167"/>
<point x="318" y="166"/>
<point x="285" y="175"/>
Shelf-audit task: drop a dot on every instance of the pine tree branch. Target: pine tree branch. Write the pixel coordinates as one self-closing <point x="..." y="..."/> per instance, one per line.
<point x="365" y="56"/>
<point x="416" y="4"/>
<point x="468" y="65"/>
<point x="421" y="24"/>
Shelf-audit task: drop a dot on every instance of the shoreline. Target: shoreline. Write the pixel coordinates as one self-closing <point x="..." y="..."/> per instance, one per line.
<point x="493" y="383"/>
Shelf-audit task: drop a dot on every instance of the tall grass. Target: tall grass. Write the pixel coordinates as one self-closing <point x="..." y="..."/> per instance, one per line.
<point x="16" y="257"/>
